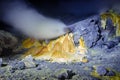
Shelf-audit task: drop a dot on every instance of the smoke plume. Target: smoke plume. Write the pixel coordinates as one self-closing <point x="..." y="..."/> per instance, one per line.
<point x="30" y="22"/>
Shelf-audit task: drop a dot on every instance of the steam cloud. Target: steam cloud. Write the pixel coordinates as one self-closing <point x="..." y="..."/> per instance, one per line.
<point x="31" y="22"/>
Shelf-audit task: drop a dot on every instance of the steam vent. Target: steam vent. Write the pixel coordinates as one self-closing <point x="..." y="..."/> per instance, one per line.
<point x="89" y="51"/>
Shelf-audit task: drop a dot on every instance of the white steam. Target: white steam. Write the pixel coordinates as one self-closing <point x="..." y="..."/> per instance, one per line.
<point x="30" y="22"/>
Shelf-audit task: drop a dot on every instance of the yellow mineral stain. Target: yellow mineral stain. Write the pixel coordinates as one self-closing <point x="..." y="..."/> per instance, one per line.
<point x="81" y="42"/>
<point x="61" y="49"/>
<point x="30" y="42"/>
<point x="82" y="47"/>
<point x="32" y="51"/>
<point x="115" y="19"/>
<point x="68" y="44"/>
<point x="84" y="60"/>
<point x="116" y="77"/>
<point x="27" y="43"/>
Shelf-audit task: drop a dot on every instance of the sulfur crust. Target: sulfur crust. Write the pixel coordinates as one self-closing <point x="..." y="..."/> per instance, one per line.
<point x="62" y="49"/>
<point x="115" y="19"/>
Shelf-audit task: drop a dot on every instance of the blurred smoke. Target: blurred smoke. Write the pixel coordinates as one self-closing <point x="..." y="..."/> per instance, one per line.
<point x="29" y="21"/>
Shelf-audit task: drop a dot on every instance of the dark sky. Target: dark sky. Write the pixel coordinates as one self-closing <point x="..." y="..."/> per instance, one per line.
<point x="72" y="10"/>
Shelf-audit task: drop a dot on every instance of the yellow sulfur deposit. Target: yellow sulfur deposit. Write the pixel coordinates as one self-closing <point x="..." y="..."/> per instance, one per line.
<point x="115" y="77"/>
<point x="82" y="47"/>
<point x="115" y="19"/>
<point x="59" y="50"/>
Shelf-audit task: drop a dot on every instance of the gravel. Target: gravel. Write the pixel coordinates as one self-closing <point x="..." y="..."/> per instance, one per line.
<point x="109" y="44"/>
<point x="29" y="62"/>
<point x="110" y="73"/>
<point x="38" y="67"/>
<point x="101" y="70"/>
<point x="64" y="74"/>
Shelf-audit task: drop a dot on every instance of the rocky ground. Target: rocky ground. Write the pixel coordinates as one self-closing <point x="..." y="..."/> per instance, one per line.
<point x="103" y="57"/>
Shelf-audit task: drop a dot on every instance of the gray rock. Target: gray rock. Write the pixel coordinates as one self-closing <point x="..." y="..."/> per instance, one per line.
<point x="76" y="38"/>
<point x="110" y="73"/>
<point x="93" y="34"/>
<point x="29" y="62"/>
<point x="76" y="77"/>
<point x="101" y="70"/>
<point x="20" y="65"/>
<point x="2" y="71"/>
<point x="38" y="62"/>
<point x="107" y="35"/>
<point x="64" y="74"/>
<point x="110" y="27"/>
<point x="104" y="35"/>
<point x="109" y="44"/>
<point x="17" y="66"/>
<point x="88" y="29"/>
<point x="12" y="70"/>
<point x="70" y="73"/>
<point x="116" y="39"/>
<point x="79" y="77"/>
<point x="38" y="67"/>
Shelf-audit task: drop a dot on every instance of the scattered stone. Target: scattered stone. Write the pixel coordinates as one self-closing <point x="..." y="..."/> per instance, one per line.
<point x="76" y="38"/>
<point x="12" y="70"/>
<point x="104" y="35"/>
<point x="93" y="34"/>
<point x="101" y="70"/>
<point x="116" y="39"/>
<point x="12" y="63"/>
<point x="79" y="77"/>
<point x="110" y="73"/>
<point x="109" y="44"/>
<point x="64" y="74"/>
<point x="2" y="71"/>
<point x="39" y="67"/>
<point x="44" y="65"/>
<point x="2" y="77"/>
<point x="84" y="60"/>
<point x="70" y="73"/>
<point x="29" y="62"/>
<point x="38" y="62"/>
<point x="18" y="65"/>
<point x="76" y="77"/>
